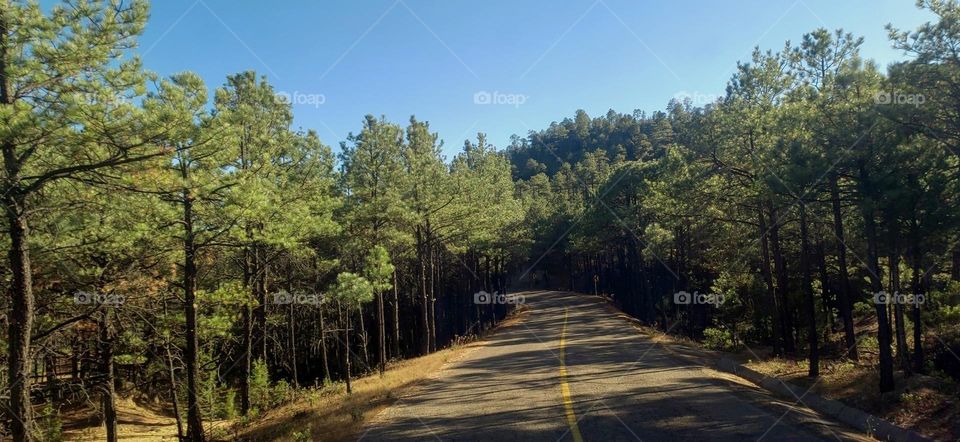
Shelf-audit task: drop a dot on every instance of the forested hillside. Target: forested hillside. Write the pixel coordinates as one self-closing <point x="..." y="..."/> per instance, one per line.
<point x="177" y="238"/>
<point x="818" y="187"/>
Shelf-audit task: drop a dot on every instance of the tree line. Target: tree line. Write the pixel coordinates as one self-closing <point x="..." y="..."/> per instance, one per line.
<point x="817" y="200"/>
<point x="201" y="251"/>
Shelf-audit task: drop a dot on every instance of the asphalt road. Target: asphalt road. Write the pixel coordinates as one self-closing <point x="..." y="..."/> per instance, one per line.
<point x="571" y="370"/>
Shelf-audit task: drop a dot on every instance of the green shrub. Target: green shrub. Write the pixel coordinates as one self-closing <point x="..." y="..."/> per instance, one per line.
<point x="864" y="309"/>
<point x="209" y="394"/>
<point x="229" y="404"/>
<point x="281" y="393"/>
<point x="719" y="339"/>
<point x="947" y="314"/>
<point x="263" y="396"/>
<point x="260" y="386"/>
<point x="49" y="426"/>
<point x="302" y="435"/>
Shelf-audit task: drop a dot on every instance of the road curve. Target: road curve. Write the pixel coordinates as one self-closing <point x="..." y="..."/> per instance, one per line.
<point x="605" y="382"/>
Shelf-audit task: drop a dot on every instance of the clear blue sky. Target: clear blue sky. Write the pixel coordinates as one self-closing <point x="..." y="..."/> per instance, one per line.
<point x="430" y="58"/>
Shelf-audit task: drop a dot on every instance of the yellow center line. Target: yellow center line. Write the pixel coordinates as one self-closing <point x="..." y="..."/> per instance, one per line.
<point x="565" y="388"/>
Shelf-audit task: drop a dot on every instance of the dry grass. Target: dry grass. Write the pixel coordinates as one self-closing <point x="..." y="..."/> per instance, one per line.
<point x="136" y="421"/>
<point x="327" y="413"/>
<point x="330" y="414"/>
<point x="924" y="404"/>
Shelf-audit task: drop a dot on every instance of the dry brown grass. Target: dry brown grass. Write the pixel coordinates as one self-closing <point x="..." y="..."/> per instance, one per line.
<point x="924" y="404"/>
<point x="332" y="415"/>
<point x="136" y="421"/>
<point x="327" y="413"/>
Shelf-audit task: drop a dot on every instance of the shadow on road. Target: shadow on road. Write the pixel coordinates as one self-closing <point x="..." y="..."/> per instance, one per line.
<point x="623" y="387"/>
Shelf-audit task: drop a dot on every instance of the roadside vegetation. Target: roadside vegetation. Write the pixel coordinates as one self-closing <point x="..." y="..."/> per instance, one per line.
<point x="818" y="192"/>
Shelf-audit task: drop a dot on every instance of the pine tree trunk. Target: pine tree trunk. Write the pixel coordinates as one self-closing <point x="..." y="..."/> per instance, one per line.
<point x="346" y="346"/>
<point x="293" y="346"/>
<point x="396" y="317"/>
<point x="263" y="271"/>
<point x="893" y="260"/>
<point x="108" y="395"/>
<point x="324" y="362"/>
<point x="382" y="332"/>
<point x="194" y="422"/>
<point x="916" y="284"/>
<point x="21" y="314"/>
<point x="876" y="284"/>
<point x="770" y="301"/>
<point x="811" y="308"/>
<point x="364" y="338"/>
<point x="783" y="281"/>
<point x="50" y="372"/>
<point x="424" y="299"/>
<point x="173" y="392"/>
<point x="246" y="355"/>
<point x="433" y="302"/>
<point x="843" y="296"/>
<point x="19" y="411"/>
<point x="323" y="336"/>
<point x="257" y="286"/>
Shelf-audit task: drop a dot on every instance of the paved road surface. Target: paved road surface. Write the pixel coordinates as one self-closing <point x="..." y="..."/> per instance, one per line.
<point x="603" y="382"/>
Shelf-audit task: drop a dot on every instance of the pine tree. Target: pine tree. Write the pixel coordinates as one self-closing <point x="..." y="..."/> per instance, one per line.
<point x="65" y="104"/>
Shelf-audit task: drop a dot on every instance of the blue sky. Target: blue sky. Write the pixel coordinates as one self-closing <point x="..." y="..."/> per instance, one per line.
<point x="537" y="61"/>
